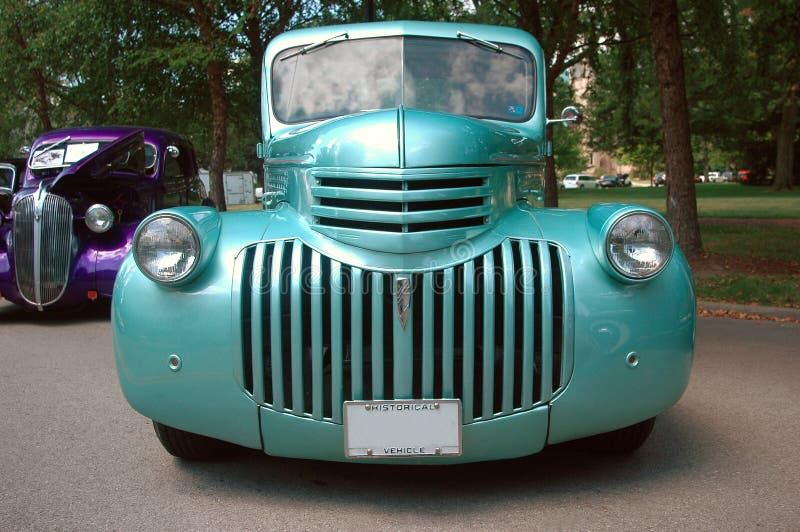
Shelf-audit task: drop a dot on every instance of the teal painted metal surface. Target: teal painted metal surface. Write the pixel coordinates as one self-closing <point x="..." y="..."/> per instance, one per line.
<point x="513" y="310"/>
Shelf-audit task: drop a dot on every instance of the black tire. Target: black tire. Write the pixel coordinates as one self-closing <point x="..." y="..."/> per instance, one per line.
<point x="190" y="446"/>
<point x="623" y="441"/>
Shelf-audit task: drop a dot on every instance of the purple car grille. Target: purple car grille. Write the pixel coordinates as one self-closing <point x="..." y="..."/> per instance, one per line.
<point x="492" y="331"/>
<point x="42" y="247"/>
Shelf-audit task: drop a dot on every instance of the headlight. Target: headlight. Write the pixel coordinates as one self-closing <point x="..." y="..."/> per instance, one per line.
<point x="166" y="249"/>
<point x="639" y="245"/>
<point x="99" y="218"/>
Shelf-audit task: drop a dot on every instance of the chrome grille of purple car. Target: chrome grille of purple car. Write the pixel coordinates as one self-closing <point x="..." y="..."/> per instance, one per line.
<point x="42" y="246"/>
<point x="494" y="331"/>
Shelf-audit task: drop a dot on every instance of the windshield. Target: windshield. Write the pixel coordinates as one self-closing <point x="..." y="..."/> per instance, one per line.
<point x="454" y="76"/>
<point x="49" y="159"/>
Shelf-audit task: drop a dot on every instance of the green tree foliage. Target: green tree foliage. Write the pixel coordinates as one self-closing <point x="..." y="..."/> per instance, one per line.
<point x="568" y="148"/>
<point x="774" y="58"/>
<point x="68" y="63"/>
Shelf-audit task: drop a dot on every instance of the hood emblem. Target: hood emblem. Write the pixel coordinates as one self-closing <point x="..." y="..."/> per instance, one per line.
<point x="402" y="291"/>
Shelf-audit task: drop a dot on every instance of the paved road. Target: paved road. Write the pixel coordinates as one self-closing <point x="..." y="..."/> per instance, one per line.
<point x="74" y="456"/>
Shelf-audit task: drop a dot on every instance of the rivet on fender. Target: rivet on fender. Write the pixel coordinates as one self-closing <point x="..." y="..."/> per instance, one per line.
<point x="174" y="362"/>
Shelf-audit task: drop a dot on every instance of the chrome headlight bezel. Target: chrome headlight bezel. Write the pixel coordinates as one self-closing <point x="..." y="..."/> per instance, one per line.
<point x="639" y="233"/>
<point x="189" y="237"/>
<point x="99" y="218"/>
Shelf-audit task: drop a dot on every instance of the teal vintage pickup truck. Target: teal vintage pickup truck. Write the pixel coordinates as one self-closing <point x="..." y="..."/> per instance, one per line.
<point x="398" y="299"/>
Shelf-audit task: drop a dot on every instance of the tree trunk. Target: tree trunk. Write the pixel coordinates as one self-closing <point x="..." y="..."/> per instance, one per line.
<point x="681" y="200"/>
<point x="219" y="109"/>
<point x="42" y="105"/>
<point x="219" y="134"/>
<point x="784" y="159"/>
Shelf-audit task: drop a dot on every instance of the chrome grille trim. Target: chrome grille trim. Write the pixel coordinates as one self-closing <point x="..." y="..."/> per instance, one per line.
<point x="317" y="332"/>
<point x="401" y="200"/>
<point x="42" y="247"/>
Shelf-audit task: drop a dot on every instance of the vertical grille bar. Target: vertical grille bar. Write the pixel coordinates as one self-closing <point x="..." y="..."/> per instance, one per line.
<point x="256" y="323"/>
<point x="24" y="213"/>
<point x="568" y="328"/>
<point x="377" y="335"/>
<point x="468" y="350"/>
<point x="316" y="337"/>
<point x="528" y="294"/>
<point x="509" y="324"/>
<point x="356" y="336"/>
<point x="296" y="318"/>
<point x="337" y="378"/>
<point x="545" y="274"/>
<point x="275" y="322"/>
<point x="428" y="326"/>
<point x="448" y="289"/>
<point x="55" y="252"/>
<point x="403" y="342"/>
<point x="488" y="336"/>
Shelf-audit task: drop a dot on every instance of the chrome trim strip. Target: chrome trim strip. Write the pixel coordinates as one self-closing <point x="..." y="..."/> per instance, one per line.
<point x="488" y="336"/>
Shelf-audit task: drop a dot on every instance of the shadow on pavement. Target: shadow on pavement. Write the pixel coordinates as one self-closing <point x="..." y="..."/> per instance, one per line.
<point x="674" y="450"/>
<point x="96" y="311"/>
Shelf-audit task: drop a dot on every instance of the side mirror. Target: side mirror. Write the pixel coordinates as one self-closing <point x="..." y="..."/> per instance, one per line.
<point x="173" y="151"/>
<point x="571" y="116"/>
<point x="25" y="150"/>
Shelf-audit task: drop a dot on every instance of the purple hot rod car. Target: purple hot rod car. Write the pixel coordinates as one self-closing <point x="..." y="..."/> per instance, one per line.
<point x="75" y="209"/>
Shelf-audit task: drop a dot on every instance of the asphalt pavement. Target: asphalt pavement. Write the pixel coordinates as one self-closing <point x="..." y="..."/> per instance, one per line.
<point x="75" y="456"/>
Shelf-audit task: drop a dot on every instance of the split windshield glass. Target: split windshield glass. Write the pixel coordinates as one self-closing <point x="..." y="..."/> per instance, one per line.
<point x="455" y="76"/>
<point x="49" y="159"/>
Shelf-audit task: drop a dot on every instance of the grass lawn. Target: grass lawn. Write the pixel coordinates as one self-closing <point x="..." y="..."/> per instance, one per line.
<point x="748" y="259"/>
<point x="717" y="200"/>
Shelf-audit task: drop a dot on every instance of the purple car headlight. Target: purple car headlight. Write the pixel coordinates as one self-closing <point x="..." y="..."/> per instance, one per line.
<point x="639" y="245"/>
<point x="99" y="218"/>
<point x="166" y="248"/>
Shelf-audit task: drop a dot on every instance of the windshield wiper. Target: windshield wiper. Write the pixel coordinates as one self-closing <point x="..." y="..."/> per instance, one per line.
<point x="305" y="49"/>
<point x="53" y="145"/>
<point x="486" y="44"/>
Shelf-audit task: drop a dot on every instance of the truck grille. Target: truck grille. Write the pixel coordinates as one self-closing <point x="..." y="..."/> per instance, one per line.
<point x="42" y="247"/>
<point x="490" y="331"/>
<point x="401" y="201"/>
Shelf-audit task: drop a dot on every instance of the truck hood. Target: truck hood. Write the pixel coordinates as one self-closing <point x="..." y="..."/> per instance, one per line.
<point x="405" y="138"/>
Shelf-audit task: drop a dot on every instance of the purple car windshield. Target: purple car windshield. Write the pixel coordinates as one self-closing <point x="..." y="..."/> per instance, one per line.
<point x="48" y="160"/>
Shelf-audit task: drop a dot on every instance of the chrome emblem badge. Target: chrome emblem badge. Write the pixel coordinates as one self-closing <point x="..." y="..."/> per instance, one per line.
<point x="402" y="291"/>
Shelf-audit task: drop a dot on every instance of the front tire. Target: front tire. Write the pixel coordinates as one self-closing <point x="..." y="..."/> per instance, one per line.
<point x="190" y="446"/>
<point x="623" y="441"/>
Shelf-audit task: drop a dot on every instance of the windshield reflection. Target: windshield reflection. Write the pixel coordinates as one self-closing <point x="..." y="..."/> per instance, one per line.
<point x="445" y="75"/>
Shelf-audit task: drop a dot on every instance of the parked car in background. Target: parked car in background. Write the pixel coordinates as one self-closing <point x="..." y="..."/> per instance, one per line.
<point x="660" y="179"/>
<point x="77" y="205"/>
<point x="743" y="176"/>
<point x="578" y="181"/>
<point x="398" y="300"/>
<point x="715" y="177"/>
<point x="610" y="181"/>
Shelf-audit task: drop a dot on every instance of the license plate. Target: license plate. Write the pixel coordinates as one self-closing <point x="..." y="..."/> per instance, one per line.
<point x="402" y="428"/>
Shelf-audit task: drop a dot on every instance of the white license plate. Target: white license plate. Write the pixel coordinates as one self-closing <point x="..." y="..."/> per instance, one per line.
<point x="402" y="428"/>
